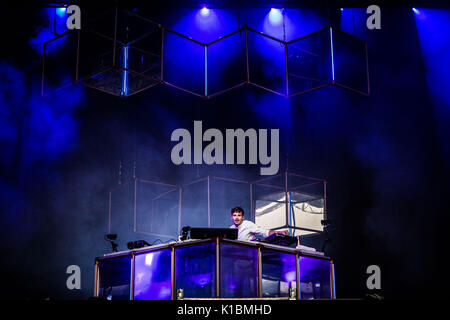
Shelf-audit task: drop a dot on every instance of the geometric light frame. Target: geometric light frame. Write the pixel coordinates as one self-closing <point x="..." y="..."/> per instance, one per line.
<point x="248" y="81"/>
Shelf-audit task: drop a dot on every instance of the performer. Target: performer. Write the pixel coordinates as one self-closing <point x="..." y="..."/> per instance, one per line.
<point x="248" y="230"/>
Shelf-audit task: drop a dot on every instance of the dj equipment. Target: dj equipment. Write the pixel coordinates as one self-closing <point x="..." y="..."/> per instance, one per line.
<point x="282" y="240"/>
<point x="206" y="233"/>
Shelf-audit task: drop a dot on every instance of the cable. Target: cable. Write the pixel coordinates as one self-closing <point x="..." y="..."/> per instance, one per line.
<point x="154" y="242"/>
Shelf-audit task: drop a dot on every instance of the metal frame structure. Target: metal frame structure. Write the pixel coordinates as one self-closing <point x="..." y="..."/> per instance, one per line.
<point x="183" y="244"/>
<point x="136" y="181"/>
<point x="208" y="189"/>
<point x="163" y="80"/>
<point x="286" y="188"/>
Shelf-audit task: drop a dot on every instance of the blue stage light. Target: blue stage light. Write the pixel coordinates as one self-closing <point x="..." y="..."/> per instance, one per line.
<point x="125" y="73"/>
<point x="275" y="16"/>
<point x="205" y="11"/>
<point x="342" y="9"/>
<point x="61" y="12"/>
<point x="415" y="11"/>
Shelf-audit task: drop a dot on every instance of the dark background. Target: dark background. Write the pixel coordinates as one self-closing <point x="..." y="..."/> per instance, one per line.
<point x="386" y="169"/>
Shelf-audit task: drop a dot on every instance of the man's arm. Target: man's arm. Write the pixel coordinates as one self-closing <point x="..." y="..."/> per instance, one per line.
<point x="255" y="229"/>
<point x="284" y="232"/>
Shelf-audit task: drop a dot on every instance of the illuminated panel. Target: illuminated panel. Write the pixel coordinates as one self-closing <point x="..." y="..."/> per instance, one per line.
<point x="115" y="275"/>
<point x="152" y="275"/>
<point x="278" y="273"/>
<point x="314" y="278"/>
<point x="195" y="270"/>
<point x="238" y="271"/>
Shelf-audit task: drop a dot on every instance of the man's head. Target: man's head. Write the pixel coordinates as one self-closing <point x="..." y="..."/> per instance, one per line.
<point x="237" y="215"/>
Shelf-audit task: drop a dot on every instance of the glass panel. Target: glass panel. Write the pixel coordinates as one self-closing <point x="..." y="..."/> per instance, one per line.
<point x="350" y="61"/>
<point x="60" y="62"/>
<point x="184" y="63"/>
<point x="152" y="275"/>
<point x="195" y="270"/>
<point x="157" y="209"/>
<point x="224" y="196"/>
<point x="309" y="62"/>
<point x="238" y="271"/>
<point x="267" y="62"/>
<point x="95" y="59"/>
<point x="270" y="211"/>
<point x="195" y="205"/>
<point x="278" y="273"/>
<point x="314" y="278"/>
<point x="115" y="275"/>
<point x="306" y="214"/>
<point x="226" y="64"/>
<point x="302" y="208"/>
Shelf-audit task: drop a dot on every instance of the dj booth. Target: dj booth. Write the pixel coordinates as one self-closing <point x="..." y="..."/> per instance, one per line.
<point x="214" y="268"/>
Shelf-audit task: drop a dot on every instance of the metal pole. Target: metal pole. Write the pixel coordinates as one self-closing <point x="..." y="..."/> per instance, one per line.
<point x="333" y="285"/>
<point x="115" y="39"/>
<point x="246" y="53"/>
<point x="209" y="204"/>
<point x="206" y="71"/>
<point x="367" y="69"/>
<point x="162" y="55"/>
<point x="132" y="276"/>
<point x="96" y="282"/>
<point x="332" y="56"/>
<point x="286" y="198"/>
<point x="252" y="213"/>
<point x="109" y="212"/>
<point x="172" y="275"/>
<point x="259" y="273"/>
<point x="217" y="268"/>
<point x="286" y="68"/>
<point x="325" y="200"/>
<point x="135" y="203"/>
<point x="297" y="270"/>
<point x="43" y="69"/>
<point x="179" y="209"/>
<point x="78" y="58"/>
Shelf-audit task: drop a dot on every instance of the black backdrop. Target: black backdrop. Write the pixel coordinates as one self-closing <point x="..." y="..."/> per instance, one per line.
<point x="386" y="175"/>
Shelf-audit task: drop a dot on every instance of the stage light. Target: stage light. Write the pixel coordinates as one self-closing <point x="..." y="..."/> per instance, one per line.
<point x="415" y="11"/>
<point x="110" y="237"/>
<point x="342" y="9"/>
<point x="60" y="11"/>
<point x="184" y="233"/>
<point x="275" y="16"/>
<point x="205" y="11"/>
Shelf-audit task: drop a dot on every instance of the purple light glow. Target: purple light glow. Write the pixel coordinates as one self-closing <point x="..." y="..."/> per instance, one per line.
<point x="202" y="279"/>
<point x="152" y="276"/>
<point x="148" y="259"/>
<point x="290" y="276"/>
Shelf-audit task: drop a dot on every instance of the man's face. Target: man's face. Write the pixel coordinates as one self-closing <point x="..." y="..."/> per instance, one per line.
<point x="237" y="218"/>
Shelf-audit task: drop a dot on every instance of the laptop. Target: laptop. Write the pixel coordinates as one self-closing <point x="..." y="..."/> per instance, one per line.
<point x="206" y="233"/>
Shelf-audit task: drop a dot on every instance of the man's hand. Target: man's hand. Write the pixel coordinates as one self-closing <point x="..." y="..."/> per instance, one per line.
<point x="284" y="232"/>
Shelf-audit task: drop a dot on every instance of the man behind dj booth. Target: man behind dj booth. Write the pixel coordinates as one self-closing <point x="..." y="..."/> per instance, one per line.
<point x="248" y="230"/>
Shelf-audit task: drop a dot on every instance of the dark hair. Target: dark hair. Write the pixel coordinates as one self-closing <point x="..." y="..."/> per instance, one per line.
<point x="237" y="209"/>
